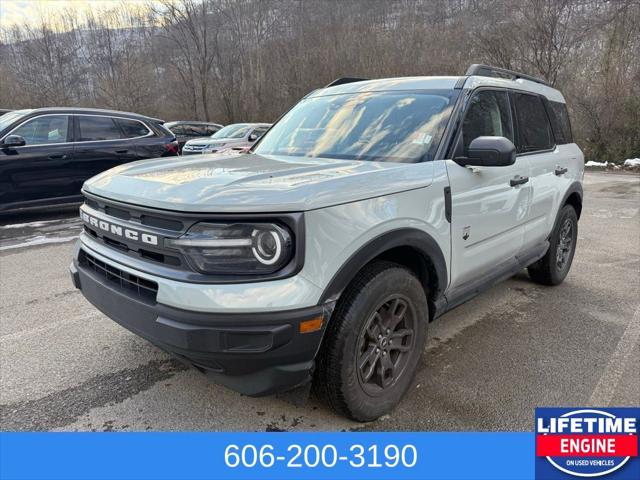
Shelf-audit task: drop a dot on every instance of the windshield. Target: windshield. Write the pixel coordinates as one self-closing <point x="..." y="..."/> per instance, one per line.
<point x="377" y="126"/>
<point x="10" y="117"/>
<point x="237" y="130"/>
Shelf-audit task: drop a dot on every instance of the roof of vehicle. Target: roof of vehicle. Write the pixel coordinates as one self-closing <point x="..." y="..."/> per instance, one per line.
<point x="439" y="83"/>
<point x="99" y="111"/>
<point x="190" y="122"/>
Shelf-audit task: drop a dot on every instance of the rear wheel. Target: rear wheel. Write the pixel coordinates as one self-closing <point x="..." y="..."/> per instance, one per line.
<point x="374" y="342"/>
<point x="554" y="266"/>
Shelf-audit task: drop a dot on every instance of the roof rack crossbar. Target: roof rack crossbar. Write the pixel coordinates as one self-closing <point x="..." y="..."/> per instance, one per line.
<point x="489" y="71"/>
<point x="343" y="80"/>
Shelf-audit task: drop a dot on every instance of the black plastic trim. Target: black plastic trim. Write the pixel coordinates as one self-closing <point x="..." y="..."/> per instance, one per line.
<point x="254" y="353"/>
<point x="497" y="72"/>
<point x="447" y="203"/>
<point x="344" y="80"/>
<point x="466" y="291"/>
<point x="403" y="237"/>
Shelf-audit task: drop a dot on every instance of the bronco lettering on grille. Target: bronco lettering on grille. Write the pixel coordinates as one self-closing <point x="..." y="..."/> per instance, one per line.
<point x="119" y="231"/>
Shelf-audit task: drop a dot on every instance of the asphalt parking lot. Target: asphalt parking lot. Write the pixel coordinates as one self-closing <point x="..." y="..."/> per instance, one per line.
<point x="488" y="363"/>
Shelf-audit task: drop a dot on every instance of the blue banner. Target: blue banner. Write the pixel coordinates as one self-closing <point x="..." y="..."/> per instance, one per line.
<point x="267" y="456"/>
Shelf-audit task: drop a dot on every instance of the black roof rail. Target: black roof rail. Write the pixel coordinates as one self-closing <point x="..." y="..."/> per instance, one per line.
<point x="489" y="71"/>
<point x="343" y="80"/>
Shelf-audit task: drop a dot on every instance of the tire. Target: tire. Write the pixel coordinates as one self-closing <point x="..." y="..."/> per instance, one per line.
<point x="554" y="266"/>
<point x="362" y="330"/>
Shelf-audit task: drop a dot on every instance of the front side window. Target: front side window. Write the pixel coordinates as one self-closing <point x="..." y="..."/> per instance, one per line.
<point x="374" y="126"/>
<point x="132" y="128"/>
<point x="92" y="128"/>
<point x="534" y="131"/>
<point x="488" y="114"/>
<point x="44" y="130"/>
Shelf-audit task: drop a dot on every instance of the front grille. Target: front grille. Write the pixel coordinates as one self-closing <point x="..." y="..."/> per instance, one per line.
<point x="126" y="282"/>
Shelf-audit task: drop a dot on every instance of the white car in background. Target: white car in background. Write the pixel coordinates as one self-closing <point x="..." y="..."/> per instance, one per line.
<point x="237" y="136"/>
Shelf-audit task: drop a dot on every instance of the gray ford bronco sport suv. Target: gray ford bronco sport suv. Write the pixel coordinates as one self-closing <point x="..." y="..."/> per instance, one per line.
<point x="369" y="209"/>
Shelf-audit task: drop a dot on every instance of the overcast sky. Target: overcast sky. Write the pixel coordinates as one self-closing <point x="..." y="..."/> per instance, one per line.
<point x="14" y="12"/>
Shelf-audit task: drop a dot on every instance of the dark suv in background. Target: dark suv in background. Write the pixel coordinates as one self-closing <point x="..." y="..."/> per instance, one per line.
<point x="46" y="154"/>
<point x="187" y="130"/>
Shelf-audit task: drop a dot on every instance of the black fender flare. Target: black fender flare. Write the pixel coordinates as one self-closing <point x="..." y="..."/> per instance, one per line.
<point x="419" y="240"/>
<point x="575" y="187"/>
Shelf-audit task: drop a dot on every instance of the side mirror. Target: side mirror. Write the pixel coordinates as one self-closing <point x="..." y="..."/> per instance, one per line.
<point x="489" y="152"/>
<point x="253" y="137"/>
<point x="13" y="141"/>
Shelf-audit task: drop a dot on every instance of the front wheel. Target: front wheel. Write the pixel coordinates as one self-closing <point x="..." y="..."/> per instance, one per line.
<point x="374" y="342"/>
<point x="554" y="266"/>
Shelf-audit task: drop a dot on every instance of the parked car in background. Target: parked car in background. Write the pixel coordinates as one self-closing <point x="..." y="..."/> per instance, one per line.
<point x="237" y="136"/>
<point x="46" y="154"/>
<point x="4" y="110"/>
<point x="186" y="130"/>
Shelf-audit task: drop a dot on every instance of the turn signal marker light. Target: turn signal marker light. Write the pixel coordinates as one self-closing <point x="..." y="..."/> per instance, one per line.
<point x="312" y="325"/>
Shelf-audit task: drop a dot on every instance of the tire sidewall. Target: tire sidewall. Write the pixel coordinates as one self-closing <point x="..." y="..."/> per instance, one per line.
<point x="393" y="280"/>
<point x="567" y="212"/>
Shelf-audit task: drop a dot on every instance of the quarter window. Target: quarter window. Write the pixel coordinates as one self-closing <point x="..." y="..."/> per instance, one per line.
<point x="132" y="128"/>
<point x="488" y="114"/>
<point x="534" y="131"/>
<point x="97" y="128"/>
<point x="44" y="130"/>
<point x="560" y="122"/>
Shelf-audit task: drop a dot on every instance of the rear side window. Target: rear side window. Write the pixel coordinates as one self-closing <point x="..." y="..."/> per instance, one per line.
<point x="132" y="128"/>
<point x="487" y="114"/>
<point x="560" y="122"/>
<point x="534" y="131"/>
<point x="97" y="128"/>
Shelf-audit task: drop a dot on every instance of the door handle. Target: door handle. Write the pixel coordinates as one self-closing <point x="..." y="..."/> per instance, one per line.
<point x="518" y="181"/>
<point x="57" y="157"/>
<point x="560" y="171"/>
<point x="122" y="151"/>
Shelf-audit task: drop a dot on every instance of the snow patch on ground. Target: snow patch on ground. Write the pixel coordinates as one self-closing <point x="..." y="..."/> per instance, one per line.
<point x="591" y="163"/>
<point x="632" y="162"/>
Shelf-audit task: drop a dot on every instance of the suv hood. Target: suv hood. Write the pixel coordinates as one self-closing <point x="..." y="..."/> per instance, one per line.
<point x="253" y="183"/>
<point x="204" y="141"/>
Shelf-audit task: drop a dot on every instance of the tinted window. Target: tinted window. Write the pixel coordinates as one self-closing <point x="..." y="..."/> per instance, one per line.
<point x="132" y="128"/>
<point x="375" y="126"/>
<point x="44" y="130"/>
<point x="211" y="130"/>
<point x="487" y="114"/>
<point x="97" y="128"/>
<point x="258" y="132"/>
<point x="560" y="122"/>
<point x="237" y="130"/>
<point x="176" y="129"/>
<point x="534" y="131"/>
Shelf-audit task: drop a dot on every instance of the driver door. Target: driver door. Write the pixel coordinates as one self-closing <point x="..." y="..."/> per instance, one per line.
<point x="488" y="212"/>
<point x="40" y="169"/>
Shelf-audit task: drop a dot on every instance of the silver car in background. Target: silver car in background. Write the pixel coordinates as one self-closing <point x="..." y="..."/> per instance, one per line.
<point x="237" y="136"/>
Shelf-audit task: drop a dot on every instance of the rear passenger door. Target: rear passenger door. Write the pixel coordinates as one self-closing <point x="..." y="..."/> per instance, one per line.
<point x="99" y="146"/>
<point x="488" y="212"/>
<point x="535" y="142"/>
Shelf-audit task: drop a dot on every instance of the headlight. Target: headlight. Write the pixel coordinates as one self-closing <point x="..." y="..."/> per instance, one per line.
<point x="236" y="248"/>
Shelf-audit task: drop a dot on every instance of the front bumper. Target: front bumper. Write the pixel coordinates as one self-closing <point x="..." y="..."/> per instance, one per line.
<point x="252" y="353"/>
